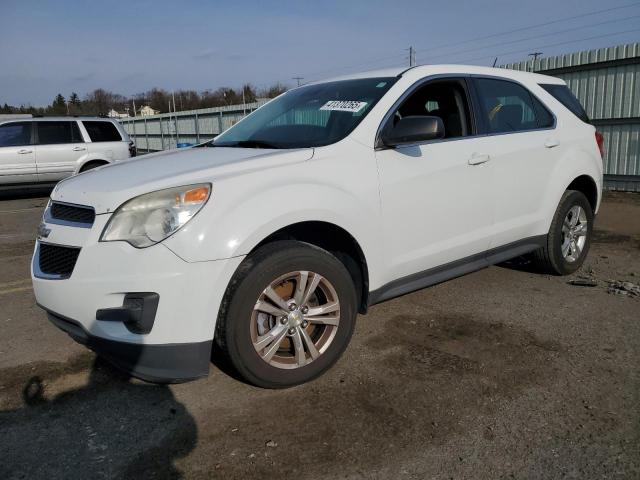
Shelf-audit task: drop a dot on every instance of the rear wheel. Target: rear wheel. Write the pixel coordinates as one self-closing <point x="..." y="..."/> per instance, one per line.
<point x="569" y="236"/>
<point x="288" y="314"/>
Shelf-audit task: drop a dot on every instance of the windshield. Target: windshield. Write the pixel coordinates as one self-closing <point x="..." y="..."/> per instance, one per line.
<point x="309" y="116"/>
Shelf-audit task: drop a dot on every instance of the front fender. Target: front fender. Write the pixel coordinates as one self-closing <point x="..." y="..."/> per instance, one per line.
<point x="239" y="217"/>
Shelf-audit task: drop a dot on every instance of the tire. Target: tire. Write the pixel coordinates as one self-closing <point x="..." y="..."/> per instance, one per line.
<point x="241" y="323"/>
<point x="550" y="258"/>
<point x="91" y="165"/>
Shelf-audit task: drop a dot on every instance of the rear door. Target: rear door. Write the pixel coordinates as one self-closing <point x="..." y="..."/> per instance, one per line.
<point x="17" y="157"/>
<point x="106" y="142"/>
<point x="519" y="137"/>
<point x="60" y="148"/>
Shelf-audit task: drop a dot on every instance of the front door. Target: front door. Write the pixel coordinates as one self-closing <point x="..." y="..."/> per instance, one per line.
<point x="17" y="157"/>
<point x="435" y="197"/>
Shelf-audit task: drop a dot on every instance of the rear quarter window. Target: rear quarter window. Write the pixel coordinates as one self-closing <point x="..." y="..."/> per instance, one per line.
<point x="102" y="131"/>
<point x="568" y="99"/>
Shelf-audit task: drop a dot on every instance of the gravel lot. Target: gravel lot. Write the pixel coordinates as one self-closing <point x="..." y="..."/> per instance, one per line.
<point x="503" y="373"/>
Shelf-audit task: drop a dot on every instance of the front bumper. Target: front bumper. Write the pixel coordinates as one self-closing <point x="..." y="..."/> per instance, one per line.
<point x="177" y="346"/>
<point x="170" y="363"/>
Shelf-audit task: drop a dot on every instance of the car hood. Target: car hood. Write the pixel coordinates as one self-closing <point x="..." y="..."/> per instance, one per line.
<point x="105" y="188"/>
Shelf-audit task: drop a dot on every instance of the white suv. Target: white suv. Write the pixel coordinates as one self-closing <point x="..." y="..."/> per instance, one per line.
<point x="48" y="149"/>
<point x="329" y="199"/>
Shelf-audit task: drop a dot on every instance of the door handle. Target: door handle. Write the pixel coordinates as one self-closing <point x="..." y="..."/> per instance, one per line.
<point x="478" y="158"/>
<point x="551" y="142"/>
<point x="79" y="149"/>
<point x="24" y="150"/>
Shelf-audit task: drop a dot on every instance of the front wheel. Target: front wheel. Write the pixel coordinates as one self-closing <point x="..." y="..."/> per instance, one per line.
<point x="569" y="236"/>
<point x="288" y="314"/>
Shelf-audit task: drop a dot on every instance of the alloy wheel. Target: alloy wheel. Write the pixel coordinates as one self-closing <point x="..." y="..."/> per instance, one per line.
<point x="574" y="233"/>
<point x="295" y="319"/>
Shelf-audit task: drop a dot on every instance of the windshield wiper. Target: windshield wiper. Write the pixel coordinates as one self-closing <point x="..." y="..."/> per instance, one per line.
<point x="249" y="144"/>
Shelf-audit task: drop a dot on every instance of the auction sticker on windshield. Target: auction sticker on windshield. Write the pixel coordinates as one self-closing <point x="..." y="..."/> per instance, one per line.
<point x="344" y="106"/>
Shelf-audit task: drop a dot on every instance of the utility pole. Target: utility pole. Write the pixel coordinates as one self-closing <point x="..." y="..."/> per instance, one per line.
<point x="412" y="57"/>
<point x="175" y="117"/>
<point x="244" y="105"/>
<point x="298" y="79"/>
<point x="535" y="56"/>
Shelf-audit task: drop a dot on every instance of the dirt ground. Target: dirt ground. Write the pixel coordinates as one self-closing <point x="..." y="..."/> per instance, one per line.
<point x="503" y="373"/>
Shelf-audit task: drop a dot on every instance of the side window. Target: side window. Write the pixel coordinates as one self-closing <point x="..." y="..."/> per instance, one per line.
<point x="102" y="131"/>
<point x="568" y="99"/>
<point x="53" y="133"/>
<point x="445" y="99"/>
<point x="543" y="116"/>
<point x="15" y="134"/>
<point x="507" y="106"/>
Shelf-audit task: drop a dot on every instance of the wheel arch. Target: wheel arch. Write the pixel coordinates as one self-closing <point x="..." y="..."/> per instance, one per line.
<point x="93" y="161"/>
<point x="334" y="239"/>
<point x="588" y="186"/>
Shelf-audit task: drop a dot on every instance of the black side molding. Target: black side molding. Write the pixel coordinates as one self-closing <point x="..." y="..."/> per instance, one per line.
<point x="433" y="276"/>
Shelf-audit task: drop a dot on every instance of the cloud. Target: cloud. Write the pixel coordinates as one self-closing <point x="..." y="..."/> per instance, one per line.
<point x="215" y="55"/>
<point x="206" y="55"/>
<point x="83" y="78"/>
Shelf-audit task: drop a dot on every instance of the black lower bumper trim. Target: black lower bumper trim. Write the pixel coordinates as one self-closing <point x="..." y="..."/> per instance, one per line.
<point x="167" y="363"/>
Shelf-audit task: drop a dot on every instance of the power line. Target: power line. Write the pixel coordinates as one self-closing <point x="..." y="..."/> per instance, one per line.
<point x="298" y="79"/>
<point x="333" y="69"/>
<point x="553" y="45"/>
<point x="530" y="27"/>
<point x="534" y="37"/>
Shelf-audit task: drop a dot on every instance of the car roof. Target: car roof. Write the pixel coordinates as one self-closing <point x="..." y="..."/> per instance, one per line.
<point x="449" y="69"/>
<point x="71" y="117"/>
<point x="54" y="118"/>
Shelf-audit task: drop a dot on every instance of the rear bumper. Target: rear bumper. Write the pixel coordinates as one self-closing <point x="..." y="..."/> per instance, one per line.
<point x="168" y="363"/>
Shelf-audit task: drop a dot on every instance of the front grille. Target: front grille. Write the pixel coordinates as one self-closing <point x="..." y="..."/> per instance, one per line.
<point x="57" y="260"/>
<point x="72" y="213"/>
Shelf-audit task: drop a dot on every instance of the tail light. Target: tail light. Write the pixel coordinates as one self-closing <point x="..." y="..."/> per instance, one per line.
<point x="600" y="142"/>
<point x="132" y="149"/>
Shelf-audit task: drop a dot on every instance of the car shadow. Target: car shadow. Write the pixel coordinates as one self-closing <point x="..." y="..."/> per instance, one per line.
<point x="524" y="263"/>
<point x="21" y="192"/>
<point x="110" y="427"/>
<point x="221" y="361"/>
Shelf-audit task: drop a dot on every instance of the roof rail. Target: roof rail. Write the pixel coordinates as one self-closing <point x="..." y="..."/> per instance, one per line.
<point x="44" y="115"/>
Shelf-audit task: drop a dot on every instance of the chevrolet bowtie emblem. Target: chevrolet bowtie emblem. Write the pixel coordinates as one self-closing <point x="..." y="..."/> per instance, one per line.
<point x="43" y="231"/>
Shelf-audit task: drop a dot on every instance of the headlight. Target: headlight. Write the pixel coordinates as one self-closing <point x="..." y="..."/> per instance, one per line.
<point x="150" y="218"/>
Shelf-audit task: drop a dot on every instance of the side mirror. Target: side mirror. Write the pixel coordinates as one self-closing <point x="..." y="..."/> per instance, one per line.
<point x="413" y="129"/>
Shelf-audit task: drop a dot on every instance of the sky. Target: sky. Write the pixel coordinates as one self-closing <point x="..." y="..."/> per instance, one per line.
<point x="128" y="47"/>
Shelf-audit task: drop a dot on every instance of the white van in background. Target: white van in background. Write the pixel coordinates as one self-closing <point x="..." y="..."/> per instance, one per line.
<point x="48" y="149"/>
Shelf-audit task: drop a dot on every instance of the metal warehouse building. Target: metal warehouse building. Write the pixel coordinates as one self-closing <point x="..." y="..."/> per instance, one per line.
<point x="607" y="83"/>
<point x="606" y="80"/>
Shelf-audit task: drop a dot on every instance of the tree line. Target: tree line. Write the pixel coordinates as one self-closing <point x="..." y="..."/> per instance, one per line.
<point x="101" y="101"/>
